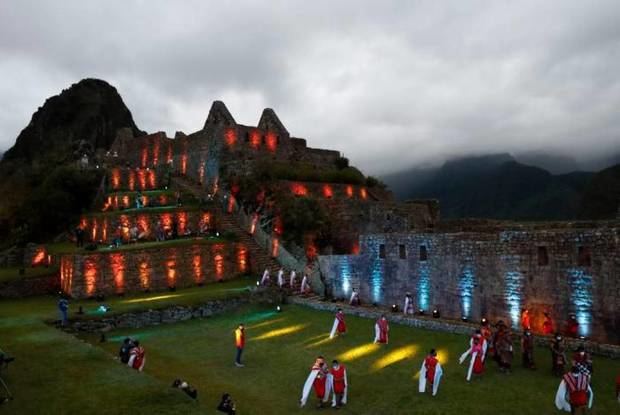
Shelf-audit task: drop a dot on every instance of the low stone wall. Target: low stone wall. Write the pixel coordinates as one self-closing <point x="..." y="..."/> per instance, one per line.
<point x="26" y="287"/>
<point x="159" y="268"/>
<point x="147" y="318"/>
<point x="438" y="324"/>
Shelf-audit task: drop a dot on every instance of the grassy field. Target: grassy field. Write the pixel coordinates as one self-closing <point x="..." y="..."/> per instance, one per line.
<point x="57" y="373"/>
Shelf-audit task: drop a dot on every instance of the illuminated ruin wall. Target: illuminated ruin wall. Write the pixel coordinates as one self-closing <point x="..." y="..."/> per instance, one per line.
<point x="137" y="270"/>
<point x="103" y="228"/>
<point x="491" y="274"/>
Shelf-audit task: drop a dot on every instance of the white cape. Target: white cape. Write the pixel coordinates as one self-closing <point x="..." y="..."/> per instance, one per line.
<point x="561" y="397"/>
<point x="332" y="334"/>
<point x="422" y="381"/>
<point x="308" y="387"/>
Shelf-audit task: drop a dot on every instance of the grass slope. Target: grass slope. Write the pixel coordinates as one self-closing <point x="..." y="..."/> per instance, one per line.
<point x="57" y="373"/>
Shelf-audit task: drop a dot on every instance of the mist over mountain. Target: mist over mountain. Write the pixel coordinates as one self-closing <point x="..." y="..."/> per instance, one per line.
<point x="499" y="186"/>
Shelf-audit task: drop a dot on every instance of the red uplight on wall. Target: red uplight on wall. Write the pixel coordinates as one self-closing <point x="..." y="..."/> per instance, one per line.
<point x="117" y="264"/>
<point x="363" y="193"/>
<point x="327" y="191"/>
<point x="255" y="139"/>
<point x="156" y="152"/>
<point x="349" y="191"/>
<point x="182" y="222"/>
<point x="242" y="259"/>
<point x="275" y="247"/>
<point x="90" y="276"/>
<point x="218" y="261"/>
<point x="152" y="179"/>
<point x="299" y="189"/>
<point x="144" y="156"/>
<point x="132" y="180"/>
<point x="184" y="163"/>
<point x="231" y="137"/>
<point x="39" y="257"/>
<point x="196" y="266"/>
<point x="116" y="178"/>
<point x="144" y="274"/>
<point x="272" y="141"/>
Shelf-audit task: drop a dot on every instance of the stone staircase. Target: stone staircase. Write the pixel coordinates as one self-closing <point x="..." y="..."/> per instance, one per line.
<point x="259" y="259"/>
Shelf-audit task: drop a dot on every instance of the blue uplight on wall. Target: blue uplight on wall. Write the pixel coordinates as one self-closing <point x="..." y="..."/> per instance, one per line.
<point x="424" y="285"/>
<point x="467" y="281"/>
<point x="376" y="273"/>
<point x="344" y="270"/>
<point x="581" y="298"/>
<point x="513" y="282"/>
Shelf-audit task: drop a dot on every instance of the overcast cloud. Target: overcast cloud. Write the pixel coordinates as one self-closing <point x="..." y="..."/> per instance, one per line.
<point x="390" y="84"/>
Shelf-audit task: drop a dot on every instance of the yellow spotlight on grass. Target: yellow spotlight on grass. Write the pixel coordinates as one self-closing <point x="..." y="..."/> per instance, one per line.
<point x="442" y="356"/>
<point x="359" y="351"/>
<point x="322" y="339"/>
<point x="148" y="299"/>
<point x="281" y="332"/>
<point x="266" y="323"/>
<point x="395" y="356"/>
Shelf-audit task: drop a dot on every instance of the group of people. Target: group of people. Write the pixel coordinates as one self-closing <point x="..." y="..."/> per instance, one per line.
<point x="283" y="282"/>
<point x="132" y="354"/>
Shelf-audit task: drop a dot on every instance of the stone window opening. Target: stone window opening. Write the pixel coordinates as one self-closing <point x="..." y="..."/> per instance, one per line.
<point x="584" y="256"/>
<point x="402" y="251"/>
<point x="423" y="253"/>
<point x="382" y="251"/>
<point x="543" y="256"/>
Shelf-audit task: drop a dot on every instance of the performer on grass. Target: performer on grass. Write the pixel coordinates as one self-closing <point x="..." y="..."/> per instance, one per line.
<point x="525" y="320"/>
<point x="583" y="361"/>
<point x="527" y="350"/>
<point x="266" y="279"/>
<point x="558" y="355"/>
<point x="339" y="327"/>
<point x="408" y="308"/>
<point x="340" y="386"/>
<point x="137" y="357"/>
<point x="292" y="278"/>
<point x="355" y="298"/>
<point x="281" y="278"/>
<point x="382" y="329"/>
<point x="574" y="395"/>
<point x="476" y="350"/>
<point x="317" y="379"/>
<point x="430" y="373"/>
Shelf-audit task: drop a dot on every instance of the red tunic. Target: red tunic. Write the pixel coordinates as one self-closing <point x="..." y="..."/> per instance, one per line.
<point x="577" y="388"/>
<point x="342" y="327"/>
<point x="319" y="384"/>
<point x="430" y="363"/>
<point x="339" y="375"/>
<point x="383" y="330"/>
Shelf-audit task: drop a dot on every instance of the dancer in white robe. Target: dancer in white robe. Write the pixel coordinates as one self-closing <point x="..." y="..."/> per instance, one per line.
<point x="430" y="372"/>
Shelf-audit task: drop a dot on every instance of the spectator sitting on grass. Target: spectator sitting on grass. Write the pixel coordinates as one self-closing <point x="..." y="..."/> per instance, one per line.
<point x="227" y="405"/>
<point x="185" y="387"/>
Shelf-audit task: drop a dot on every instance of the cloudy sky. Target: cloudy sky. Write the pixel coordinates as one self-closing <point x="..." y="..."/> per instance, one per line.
<point x="390" y="84"/>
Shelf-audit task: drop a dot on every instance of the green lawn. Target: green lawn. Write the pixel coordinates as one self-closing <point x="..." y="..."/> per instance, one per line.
<point x="57" y="373"/>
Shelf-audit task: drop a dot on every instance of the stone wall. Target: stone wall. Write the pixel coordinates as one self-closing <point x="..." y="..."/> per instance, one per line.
<point x="116" y="272"/>
<point x="30" y="286"/>
<point x="102" y="228"/>
<point x="492" y="274"/>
